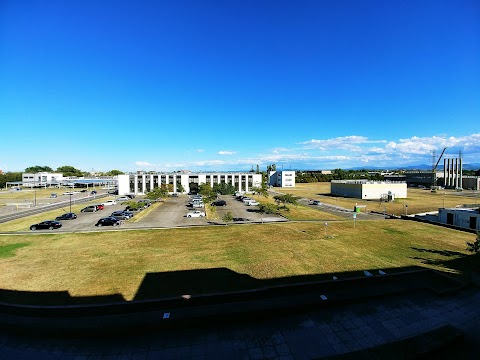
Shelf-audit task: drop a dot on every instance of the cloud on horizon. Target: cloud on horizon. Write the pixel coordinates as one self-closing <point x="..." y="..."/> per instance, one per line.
<point x="347" y="151"/>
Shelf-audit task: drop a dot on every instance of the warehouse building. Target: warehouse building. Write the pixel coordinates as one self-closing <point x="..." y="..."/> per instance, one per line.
<point x="369" y="190"/>
<point x="465" y="218"/>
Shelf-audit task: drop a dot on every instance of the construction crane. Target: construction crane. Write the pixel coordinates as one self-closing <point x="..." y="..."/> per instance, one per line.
<point x="434" y="170"/>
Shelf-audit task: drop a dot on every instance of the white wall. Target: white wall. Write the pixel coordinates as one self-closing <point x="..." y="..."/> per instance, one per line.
<point x="461" y="217"/>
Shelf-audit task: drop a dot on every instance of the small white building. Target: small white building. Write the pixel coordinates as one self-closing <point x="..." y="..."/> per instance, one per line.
<point x="369" y="190"/>
<point x="465" y="218"/>
<point x="141" y="183"/>
<point x="41" y="179"/>
<point x="284" y="178"/>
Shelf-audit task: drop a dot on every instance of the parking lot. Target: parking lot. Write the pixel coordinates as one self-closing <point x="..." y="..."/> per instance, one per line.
<point x="171" y="213"/>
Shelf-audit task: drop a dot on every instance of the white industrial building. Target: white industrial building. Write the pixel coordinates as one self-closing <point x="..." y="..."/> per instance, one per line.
<point x="369" y="190"/>
<point x="41" y="179"/>
<point x="465" y="218"/>
<point x="142" y="182"/>
<point x="281" y="178"/>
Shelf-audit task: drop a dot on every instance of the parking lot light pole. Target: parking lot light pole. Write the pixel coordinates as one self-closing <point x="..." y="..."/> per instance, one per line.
<point x="34" y="192"/>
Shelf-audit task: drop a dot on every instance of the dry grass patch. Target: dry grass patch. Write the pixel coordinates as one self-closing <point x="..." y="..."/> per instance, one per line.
<point x="106" y="263"/>
<point x="300" y="212"/>
<point x="418" y="200"/>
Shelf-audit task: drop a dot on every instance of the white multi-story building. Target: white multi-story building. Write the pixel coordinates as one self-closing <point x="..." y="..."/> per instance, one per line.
<point x="41" y="179"/>
<point x="281" y="178"/>
<point x="142" y="183"/>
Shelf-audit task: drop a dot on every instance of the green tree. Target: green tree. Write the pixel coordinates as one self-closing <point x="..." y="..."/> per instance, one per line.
<point x="224" y="189"/>
<point x="207" y="192"/>
<point x="180" y="188"/>
<point x="37" y="168"/>
<point x="157" y="193"/>
<point x="9" y="177"/>
<point x="114" y="173"/>
<point x="268" y="208"/>
<point x="227" y="217"/>
<point x="261" y="190"/>
<point x="474" y="246"/>
<point x="286" y="199"/>
<point x="67" y="170"/>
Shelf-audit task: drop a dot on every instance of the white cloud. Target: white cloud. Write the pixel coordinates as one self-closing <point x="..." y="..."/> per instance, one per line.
<point x="349" y="143"/>
<point x="143" y="164"/>
<point x="200" y="150"/>
<point x="226" y="152"/>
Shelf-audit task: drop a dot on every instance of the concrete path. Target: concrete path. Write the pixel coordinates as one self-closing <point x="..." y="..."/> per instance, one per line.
<point x="308" y="335"/>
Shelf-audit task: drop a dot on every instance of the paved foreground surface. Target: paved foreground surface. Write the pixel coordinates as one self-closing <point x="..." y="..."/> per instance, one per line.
<point x="308" y="335"/>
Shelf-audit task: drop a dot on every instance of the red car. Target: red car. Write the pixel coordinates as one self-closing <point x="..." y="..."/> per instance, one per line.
<point x="100" y="207"/>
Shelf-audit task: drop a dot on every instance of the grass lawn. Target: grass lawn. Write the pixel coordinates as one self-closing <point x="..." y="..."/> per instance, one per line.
<point x="418" y="200"/>
<point x="299" y="212"/>
<point x="107" y="263"/>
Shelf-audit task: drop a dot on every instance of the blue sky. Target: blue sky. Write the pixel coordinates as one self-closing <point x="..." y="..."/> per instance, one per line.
<point x="226" y="85"/>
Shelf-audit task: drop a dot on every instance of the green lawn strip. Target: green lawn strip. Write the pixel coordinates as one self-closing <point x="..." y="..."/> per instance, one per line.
<point x="208" y="259"/>
<point x="9" y="250"/>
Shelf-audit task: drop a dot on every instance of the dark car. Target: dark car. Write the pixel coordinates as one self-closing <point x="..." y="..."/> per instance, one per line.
<point x="49" y="224"/>
<point x="91" y="208"/>
<point x="219" y="203"/>
<point x="108" y="221"/>
<point x="129" y="213"/>
<point x="93" y="192"/>
<point x="120" y="216"/>
<point x="84" y="190"/>
<point x="66" y="216"/>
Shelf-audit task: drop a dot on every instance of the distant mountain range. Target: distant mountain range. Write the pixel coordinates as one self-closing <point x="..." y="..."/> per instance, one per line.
<point x="473" y="166"/>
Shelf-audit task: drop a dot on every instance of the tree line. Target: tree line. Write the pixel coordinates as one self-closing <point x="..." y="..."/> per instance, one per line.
<point x="66" y="170"/>
<point x="337" y="174"/>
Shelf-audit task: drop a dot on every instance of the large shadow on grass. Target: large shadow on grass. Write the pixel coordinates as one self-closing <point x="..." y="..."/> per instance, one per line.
<point x="224" y="283"/>
<point x="460" y="263"/>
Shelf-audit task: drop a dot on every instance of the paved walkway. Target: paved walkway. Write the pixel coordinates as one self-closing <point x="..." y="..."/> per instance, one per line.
<point x="308" y="335"/>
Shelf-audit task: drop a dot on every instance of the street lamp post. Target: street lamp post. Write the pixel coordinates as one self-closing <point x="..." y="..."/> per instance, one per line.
<point x="34" y="192"/>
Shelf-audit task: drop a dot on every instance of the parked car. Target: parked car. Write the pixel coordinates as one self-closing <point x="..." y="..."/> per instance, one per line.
<point x="66" y="216"/>
<point x="113" y="192"/>
<point x="219" y="203"/>
<point x="93" y="192"/>
<point x="251" y="202"/>
<point x="129" y="213"/>
<point x="109" y="203"/>
<point x="48" y="224"/>
<point x="53" y="196"/>
<point x="68" y="193"/>
<point x="123" y="198"/>
<point x="84" y="190"/>
<point x="196" y="214"/>
<point x="120" y="216"/>
<point x="246" y="199"/>
<point x="91" y="208"/>
<point x="124" y="215"/>
<point x="108" y="221"/>
<point x="197" y="204"/>
<point x="100" y="207"/>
